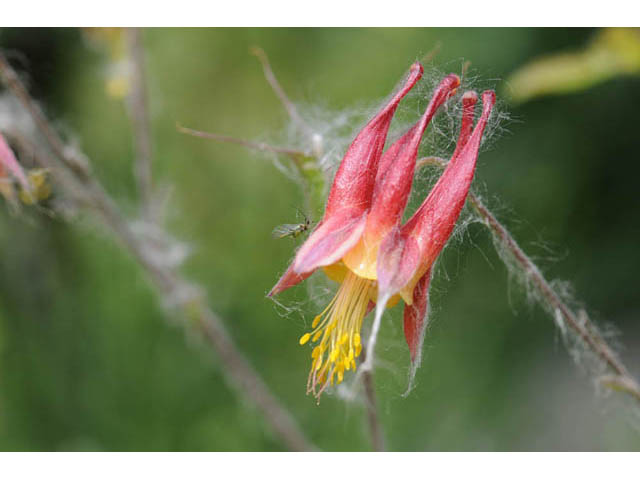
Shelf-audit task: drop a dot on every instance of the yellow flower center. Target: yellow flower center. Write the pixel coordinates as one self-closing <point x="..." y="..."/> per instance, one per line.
<point x="336" y="333"/>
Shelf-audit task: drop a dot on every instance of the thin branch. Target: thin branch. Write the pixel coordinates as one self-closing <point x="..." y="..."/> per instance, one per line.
<point x="280" y="93"/>
<point x="169" y="283"/>
<point x="65" y="156"/>
<point x="581" y="325"/>
<point x="431" y="54"/>
<point x="259" y="146"/>
<point x="140" y="120"/>
<point x="375" y="428"/>
<point x="306" y="165"/>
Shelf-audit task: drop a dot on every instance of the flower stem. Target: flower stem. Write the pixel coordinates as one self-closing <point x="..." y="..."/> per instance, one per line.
<point x="375" y="429"/>
<point x="550" y="301"/>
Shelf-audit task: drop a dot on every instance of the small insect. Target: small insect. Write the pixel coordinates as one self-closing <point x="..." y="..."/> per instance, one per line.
<point x="293" y="230"/>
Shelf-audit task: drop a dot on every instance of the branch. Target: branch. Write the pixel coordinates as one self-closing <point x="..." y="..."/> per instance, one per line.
<point x="307" y="166"/>
<point x="282" y="96"/>
<point x="375" y="429"/>
<point x="259" y="146"/>
<point x="168" y="282"/>
<point x="139" y="113"/>
<point x="581" y="325"/>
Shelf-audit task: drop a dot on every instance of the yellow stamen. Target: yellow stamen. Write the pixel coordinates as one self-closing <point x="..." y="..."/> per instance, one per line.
<point x="337" y="331"/>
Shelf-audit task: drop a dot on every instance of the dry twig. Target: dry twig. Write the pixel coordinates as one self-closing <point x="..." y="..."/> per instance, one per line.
<point x="169" y="283"/>
<point x="139" y="112"/>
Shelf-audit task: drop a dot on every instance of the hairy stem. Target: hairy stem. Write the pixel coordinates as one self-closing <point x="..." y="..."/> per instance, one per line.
<point x="581" y="325"/>
<point x="375" y="429"/>
<point x="280" y="93"/>
<point x="307" y="167"/>
<point x="168" y="282"/>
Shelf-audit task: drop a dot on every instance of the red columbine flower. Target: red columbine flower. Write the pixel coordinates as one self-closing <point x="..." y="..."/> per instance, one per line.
<point x="365" y="206"/>
<point x="408" y="252"/>
<point x="9" y="164"/>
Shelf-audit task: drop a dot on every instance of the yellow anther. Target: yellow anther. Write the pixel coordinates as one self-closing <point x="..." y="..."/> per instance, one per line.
<point x="336" y="333"/>
<point x="319" y="360"/>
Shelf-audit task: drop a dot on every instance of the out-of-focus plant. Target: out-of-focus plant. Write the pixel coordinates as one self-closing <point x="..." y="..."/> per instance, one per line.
<point x="611" y="52"/>
<point x="145" y="238"/>
<point x="112" y="40"/>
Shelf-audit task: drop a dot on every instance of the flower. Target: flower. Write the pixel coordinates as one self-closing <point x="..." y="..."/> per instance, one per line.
<point x="409" y="251"/>
<point x="9" y="164"/>
<point x="360" y="242"/>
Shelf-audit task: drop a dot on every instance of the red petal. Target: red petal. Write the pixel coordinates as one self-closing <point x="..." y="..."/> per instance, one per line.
<point x="288" y="279"/>
<point x="417" y="244"/>
<point x="415" y="316"/>
<point x="395" y="173"/>
<point x="434" y="221"/>
<point x="330" y="241"/>
<point x="355" y="179"/>
<point x="469" y="100"/>
<point x="350" y="196"/>
<point x="398" y="260"/>
<point x="8" y="160"/>
<point x="411" y="139"/>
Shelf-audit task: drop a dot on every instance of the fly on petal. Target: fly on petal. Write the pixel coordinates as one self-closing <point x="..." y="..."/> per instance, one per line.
<point x="350" y="196"/>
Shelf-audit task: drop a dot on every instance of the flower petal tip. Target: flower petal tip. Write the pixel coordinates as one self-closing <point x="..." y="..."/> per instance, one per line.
<point x="416" y="69"/>
<point x="289" y="279"/>
<point x="489" y="98"/>
<point x="469" y="97"/>
<point x="451" y="83"/>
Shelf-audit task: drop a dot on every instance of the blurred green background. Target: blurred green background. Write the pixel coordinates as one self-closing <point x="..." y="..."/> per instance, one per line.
<point x="88" y="360"/>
